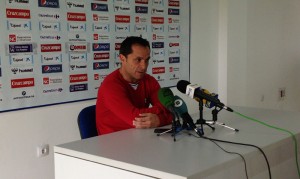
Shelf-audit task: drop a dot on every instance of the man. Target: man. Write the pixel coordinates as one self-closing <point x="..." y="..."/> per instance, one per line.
<point x="125" y="94"/>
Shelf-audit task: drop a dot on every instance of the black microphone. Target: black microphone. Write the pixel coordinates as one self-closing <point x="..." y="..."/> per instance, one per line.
<point x="181" y="108"/>
<point x="196" y="93"/>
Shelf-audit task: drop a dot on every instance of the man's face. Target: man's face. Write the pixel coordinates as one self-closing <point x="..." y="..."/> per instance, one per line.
<point x="135" y="65"/>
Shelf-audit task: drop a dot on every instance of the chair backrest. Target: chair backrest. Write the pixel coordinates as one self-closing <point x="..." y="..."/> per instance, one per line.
<point x="87" y="122"/>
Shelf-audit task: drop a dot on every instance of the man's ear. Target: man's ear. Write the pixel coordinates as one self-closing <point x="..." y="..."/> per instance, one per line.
<point x="122" y="58"/>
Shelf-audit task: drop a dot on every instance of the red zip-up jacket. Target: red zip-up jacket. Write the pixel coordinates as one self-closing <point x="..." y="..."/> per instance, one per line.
<point x="118" y="103"/>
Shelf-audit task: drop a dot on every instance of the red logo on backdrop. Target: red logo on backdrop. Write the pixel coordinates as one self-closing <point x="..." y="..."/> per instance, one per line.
<point x="137" y="19"/>
<point x="122" y="19"/>
<point x="141" y="1"/>
<point x="78" y="78"/>
<point x="173" y="44"/>
<point x="157" y="20"/>
<point x="101" y="56"/>
<point x="22" y="83"/>
<point x="43" y="2"/>
<point x="72" y="16"/>
<point x="18" y="13"/>
<point x="78" y="47"/>
<point x="46" y="81"/>
<point x="12" y="38"/>
<point x="154" y="37"/>
<point x="95" y="17"/>
<point x="96" y="76"/>
<point x="170" y="20"/>
<point x="174" y="3"/>
<point x="117" y="46"/>
<point x="50" y="47"/>
<point x="158" y="70"/>
<point x="96" y="37"/>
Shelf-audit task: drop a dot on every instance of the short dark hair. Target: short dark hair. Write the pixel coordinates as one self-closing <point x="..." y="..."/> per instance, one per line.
<point x="126" y="45"/>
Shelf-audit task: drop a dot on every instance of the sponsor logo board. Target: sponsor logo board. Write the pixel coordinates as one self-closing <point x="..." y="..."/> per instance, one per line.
<point x="51" y="37"/>
<point x="48" y="16"/>
<point x="76" y="27"/>
<point x="49" y="26"/>
<point x="77" y="57"/>
<point x="18" y="13"/>
<point x="174" y="60"/>
<point x="77" y="37"/>
<point x="20" y="37"/>
<point x="20" y="48"/>
<point x="50" y="47"/>
<point x="52" y="80"/>
<point x="22" y="70"/>
<point x="49" y="3"/>
<point x="78" y="78"/>
<point x="56" y="90"/>
<point x="101" y="46"/>
<point x="122" y="8"/>
<point x="23" y="94"/>
<point x="101" y="27"/>
<point x="17" y="2"/>
<point x="77" y="47"/>
<point x="52" y="68"/>
<point x="75" y="5"/>
<point x="78" y="67"/>
<point x="78" y="87"/>
<point x="172" y="11"/>
<point x="18" y="25"/>
<point x="22" y="83"/>
<point x="100" y="65"/>
<point x="122" y="19"/>
<point x="158" y="70"/>
<point x="17" y="60"/>
<point x="120" y="28"/>
<point x="51" y="58"/>
<point x="99" y="7"/>
<point x="101" y="56"/>
<point x="72" y="16"/>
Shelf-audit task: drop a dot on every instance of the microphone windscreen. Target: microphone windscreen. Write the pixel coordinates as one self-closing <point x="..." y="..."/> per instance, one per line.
<point x="166" y="97"/>
<point x="179" y="105"/>
<point x="181" y="85"/>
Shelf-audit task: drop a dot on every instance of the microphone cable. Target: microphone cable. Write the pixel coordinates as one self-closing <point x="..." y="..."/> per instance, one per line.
<point x="243" y="158"/>
<point x="280" y="129"/>
<point x="237" y="143"/>
<point x="251" y="145"/>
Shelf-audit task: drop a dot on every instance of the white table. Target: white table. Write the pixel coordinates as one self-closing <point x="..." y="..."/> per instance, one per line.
<point x="139" y="153"/>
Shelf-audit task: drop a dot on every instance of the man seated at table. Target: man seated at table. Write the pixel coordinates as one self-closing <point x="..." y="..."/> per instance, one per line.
<point x="125" y="95"/>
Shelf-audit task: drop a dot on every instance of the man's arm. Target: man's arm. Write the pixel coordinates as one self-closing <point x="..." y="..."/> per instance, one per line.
<point x="147" y="120"/>
<point x="116" y="99"/>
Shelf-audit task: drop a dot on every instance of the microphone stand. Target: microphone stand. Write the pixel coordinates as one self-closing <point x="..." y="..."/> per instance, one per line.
<point x="201" y="121"/>
<point x="174" y="126"/>
<point x="214" y="113"/>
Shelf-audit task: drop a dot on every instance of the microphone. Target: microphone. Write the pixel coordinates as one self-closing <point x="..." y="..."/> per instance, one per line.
<point x="166" y="97"/>
<point x="181" y="108"/>
<point x="193" y="91"/>
<point x="207" y="103"/>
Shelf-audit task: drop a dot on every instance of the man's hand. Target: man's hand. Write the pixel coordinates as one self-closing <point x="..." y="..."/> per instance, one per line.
<point x="146" y="120"/>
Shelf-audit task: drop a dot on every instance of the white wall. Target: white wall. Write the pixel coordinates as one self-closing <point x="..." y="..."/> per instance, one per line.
<point x="22" y="131"/>
<point x="263" y="53"/>
<point x="258" y="54"/>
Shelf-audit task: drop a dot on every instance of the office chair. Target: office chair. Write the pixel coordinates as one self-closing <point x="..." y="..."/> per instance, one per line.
<point x="87" y="122"/>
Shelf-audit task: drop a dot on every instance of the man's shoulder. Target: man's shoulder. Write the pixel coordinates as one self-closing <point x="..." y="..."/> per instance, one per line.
<point x="111" y="79"/>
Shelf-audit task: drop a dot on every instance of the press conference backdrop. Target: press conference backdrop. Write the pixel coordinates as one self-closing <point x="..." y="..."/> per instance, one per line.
<point x="57" y="51"/>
